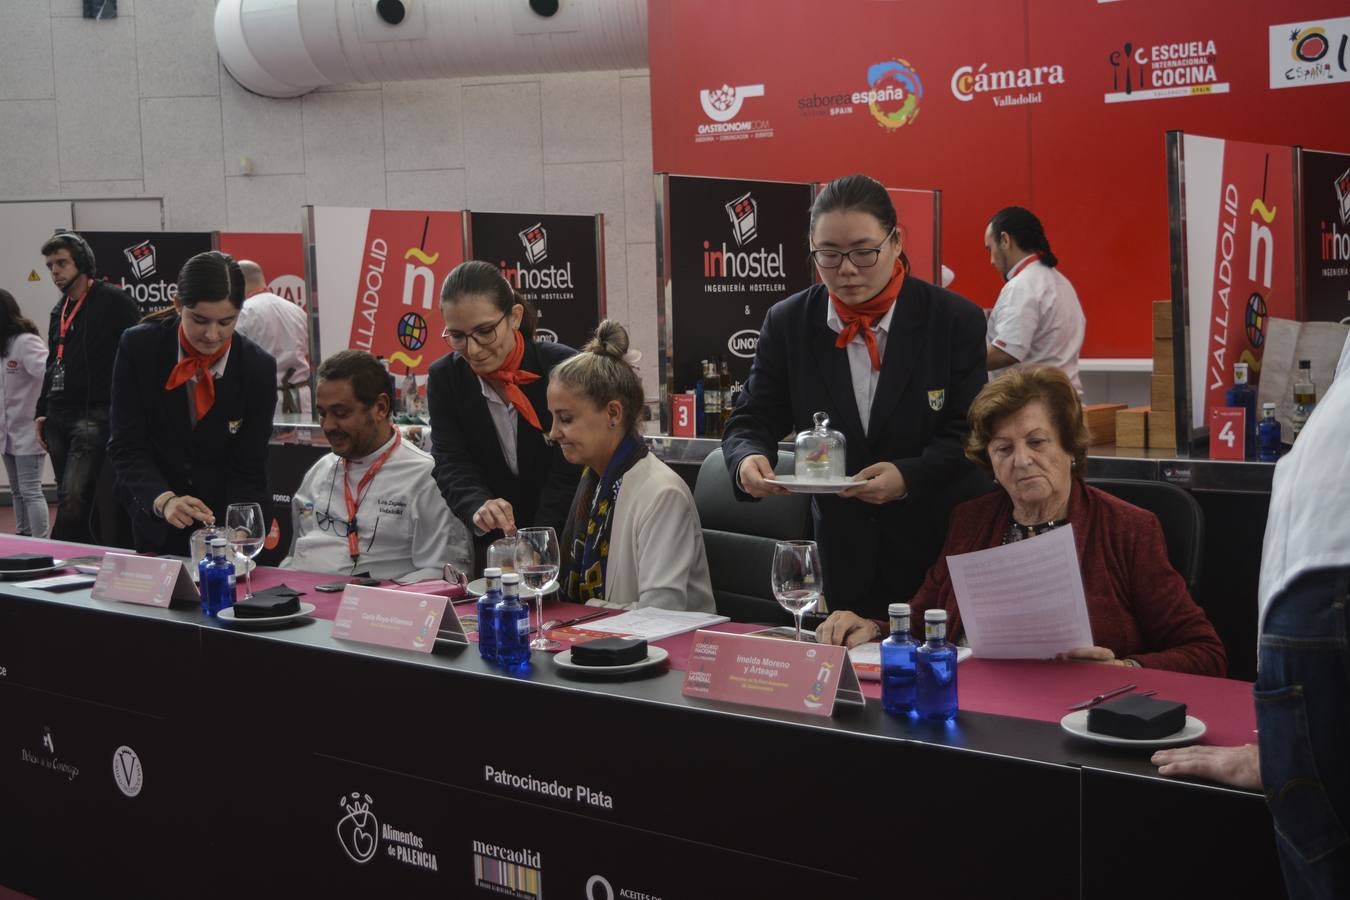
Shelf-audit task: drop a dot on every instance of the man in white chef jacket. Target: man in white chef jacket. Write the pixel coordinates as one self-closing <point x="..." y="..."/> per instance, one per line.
<point x="282" y="329"/>
<point x="371" y="506"/>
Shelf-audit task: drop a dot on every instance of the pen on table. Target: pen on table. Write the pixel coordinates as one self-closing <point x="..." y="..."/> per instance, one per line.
<point x="579" y="619"/>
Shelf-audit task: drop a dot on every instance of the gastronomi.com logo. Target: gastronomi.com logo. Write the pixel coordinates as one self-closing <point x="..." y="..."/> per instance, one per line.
<point x="723" y="107"/>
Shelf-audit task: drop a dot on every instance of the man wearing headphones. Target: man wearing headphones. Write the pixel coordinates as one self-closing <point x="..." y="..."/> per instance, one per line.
<point x="72" y="410"/>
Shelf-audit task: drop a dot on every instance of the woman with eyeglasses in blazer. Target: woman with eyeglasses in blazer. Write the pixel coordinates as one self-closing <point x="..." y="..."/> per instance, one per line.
<point x="489" y="411"/>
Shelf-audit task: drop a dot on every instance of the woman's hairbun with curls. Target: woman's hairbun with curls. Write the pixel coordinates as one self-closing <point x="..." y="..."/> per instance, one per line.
<point x="604" y="372"/>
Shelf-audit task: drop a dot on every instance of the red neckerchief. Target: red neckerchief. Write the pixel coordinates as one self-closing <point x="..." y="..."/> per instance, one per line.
<point x="510" y="376"/>
<point x="68" y="320"/>
<point x="863" y="317"/>
<point x="1021" y="264"/>
<point x="354" y="503"/>
<point x="196" y="364"/>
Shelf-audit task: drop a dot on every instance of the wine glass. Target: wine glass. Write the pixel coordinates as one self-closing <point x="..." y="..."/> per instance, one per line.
<point x="537" y="565"/>
<point x="246" y="531"/>
<point x="796" y="577"/>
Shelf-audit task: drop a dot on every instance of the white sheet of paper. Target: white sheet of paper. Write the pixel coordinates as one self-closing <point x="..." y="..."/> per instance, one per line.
<point x="654" y="624"/>
<point x="1023" y="600"/>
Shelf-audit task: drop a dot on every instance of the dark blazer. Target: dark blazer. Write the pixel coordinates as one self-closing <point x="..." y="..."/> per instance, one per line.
<point x="470" y="467"/>
<point x="933" y="366"/>
<point x="155" y="447"/>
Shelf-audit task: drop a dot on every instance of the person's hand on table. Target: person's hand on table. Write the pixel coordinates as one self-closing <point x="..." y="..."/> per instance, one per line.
<point x="1236" y="766"/>
<point x="1104" y="655"/>
<point x="846" y="628"/>
<point x="752" y="473"/>
<point x="495" y="514"/>
<point x="880" y="483"/>
<point x="182" y="511"/>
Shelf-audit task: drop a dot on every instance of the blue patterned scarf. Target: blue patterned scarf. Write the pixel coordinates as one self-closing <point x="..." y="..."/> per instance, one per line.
<point x="591" y="520"/>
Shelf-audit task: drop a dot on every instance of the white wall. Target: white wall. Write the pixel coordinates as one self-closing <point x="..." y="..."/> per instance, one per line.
<point x="139" y="105"/>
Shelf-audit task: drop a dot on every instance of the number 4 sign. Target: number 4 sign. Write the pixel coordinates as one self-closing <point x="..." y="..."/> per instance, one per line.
<point x="1228" y="432"/>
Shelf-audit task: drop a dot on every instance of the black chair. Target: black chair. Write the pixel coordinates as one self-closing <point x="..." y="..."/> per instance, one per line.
<point x="1183" y="522"/>
<point x="739" y="538"/>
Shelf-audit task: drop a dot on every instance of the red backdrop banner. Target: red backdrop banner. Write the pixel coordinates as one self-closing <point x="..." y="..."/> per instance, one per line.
<point x="1060" y="107"/>
<point x="281" y="255"/>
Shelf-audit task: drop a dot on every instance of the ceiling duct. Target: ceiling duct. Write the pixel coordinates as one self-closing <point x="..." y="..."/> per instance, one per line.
<point x="285" y="48"/>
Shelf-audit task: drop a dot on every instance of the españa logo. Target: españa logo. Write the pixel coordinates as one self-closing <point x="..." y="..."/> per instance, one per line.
<point x="894" y="91"/>
<point x="1310" y="53"/>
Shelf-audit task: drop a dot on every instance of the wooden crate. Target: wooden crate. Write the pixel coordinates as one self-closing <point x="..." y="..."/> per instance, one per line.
<point x="1163" y="394"/>
<point x="1162" y="357"/>
<point x="1132" y="427"/>
<point x="1162" y="430"/>
<point x="1162" y="320"/>
<point x="1101" y="422"/>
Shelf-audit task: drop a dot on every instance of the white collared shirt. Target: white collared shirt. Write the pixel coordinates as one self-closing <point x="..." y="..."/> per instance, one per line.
<point x="860" y="361"/>
<point x="504" y="421"/>
<point x="404" y="527"/>
<point x="1038" y="319"/>
<point x="282" y="329"/>
<point x="1309" y="522"/>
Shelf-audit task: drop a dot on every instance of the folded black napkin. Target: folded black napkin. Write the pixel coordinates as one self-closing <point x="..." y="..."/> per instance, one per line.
<point x="279" y="600"/>
<point x="1137" y="718"/>
<point x="22" y="562"/>
<point x="610" y="652"/>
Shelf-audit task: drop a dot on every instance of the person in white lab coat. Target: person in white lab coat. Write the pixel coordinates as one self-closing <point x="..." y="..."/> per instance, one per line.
<point x="371" y="506"/>
<point x="282" y="329"/>
<point x="23" y="355"/>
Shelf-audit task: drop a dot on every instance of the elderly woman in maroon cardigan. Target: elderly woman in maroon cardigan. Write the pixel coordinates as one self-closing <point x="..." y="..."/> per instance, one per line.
<point x="1027" y="430"/>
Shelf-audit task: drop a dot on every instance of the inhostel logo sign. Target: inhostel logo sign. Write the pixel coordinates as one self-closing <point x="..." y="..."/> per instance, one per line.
<point x="1304" y="54"/>
<point x="1162" y="71"/>
<point x="723" y="106"/>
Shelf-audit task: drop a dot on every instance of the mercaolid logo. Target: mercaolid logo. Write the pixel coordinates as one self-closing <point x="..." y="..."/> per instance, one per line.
<point x="1005" y="87"/>
<point x="743" y="343"/>
<point x="894" y="92"/>
<point x="127" y="771"/>
<point x="358" y="831"/>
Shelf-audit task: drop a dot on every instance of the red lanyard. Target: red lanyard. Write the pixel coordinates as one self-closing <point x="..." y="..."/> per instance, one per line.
<point x="1022" y="264"/>
<point x="354" y="503"/>
<point x="68" y="320"/>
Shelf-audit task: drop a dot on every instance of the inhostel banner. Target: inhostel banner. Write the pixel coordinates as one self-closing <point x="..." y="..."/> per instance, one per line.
<point x="1326" y="235"/>
<point x="145" y="264"/>
<point x="553" y="262"/>
<point x="378" y="275"/>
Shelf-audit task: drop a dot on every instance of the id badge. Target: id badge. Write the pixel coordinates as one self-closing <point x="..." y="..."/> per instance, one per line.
<point x="58" y="378"/>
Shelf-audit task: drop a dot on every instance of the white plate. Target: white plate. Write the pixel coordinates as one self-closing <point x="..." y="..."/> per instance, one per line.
<point x="655" y="655"/>
<point x="811" y="486"/>
<point x="478" y="587"/>
<point x="19" y="574"/>
<point x="1075" y="723"/>
<point x="239" y="571"/>
<point x="227" y="615"/>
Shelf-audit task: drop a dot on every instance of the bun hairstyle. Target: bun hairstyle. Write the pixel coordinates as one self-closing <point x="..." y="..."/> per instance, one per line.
<point x="859" y="193"/>
<point x="206" y="278"/>
<point x="476" y="278"/>
<point x="601" y="373"/>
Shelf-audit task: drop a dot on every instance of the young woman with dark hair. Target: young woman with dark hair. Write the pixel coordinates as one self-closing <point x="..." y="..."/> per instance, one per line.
<point x="23" y="356"/>
<point x="192" y="410"/>
<point x="894" y="361"/>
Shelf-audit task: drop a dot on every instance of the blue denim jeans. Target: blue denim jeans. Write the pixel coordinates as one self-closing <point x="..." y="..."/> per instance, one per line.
<point x="78" y="442"/>
<point x="25" y="487"/>
<point x="1303" y="712"/>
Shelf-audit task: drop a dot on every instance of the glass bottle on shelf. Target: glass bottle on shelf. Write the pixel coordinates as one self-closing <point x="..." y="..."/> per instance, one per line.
<point x="820" y="452"/>
<point x="1243" y="396"/>
<point x="1305" y="398"/>
<point x="712" y="401"/>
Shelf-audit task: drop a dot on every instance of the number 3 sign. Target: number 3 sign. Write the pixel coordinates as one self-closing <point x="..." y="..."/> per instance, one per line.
<point x="682" y="415"/>
<point x="1228" y="433"/>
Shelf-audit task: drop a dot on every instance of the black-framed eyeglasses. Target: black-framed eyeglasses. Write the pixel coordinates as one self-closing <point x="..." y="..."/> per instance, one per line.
<point x="483" y="335"/>
<point x="863" y="257"/>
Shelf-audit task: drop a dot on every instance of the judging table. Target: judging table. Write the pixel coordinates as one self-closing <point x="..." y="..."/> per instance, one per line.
<point x="156" y="752"/>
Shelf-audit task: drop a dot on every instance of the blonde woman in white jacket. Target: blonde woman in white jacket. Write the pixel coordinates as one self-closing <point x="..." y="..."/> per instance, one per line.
<point x="632" y="537"/>
<point x="23" y="361"/>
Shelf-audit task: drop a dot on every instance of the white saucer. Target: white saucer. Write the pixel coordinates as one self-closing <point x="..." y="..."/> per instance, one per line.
<point x="812" y="486"/>
<point x="239" y="571"/>
<point x="655" y="655"/>
<point x="478" y="587"/>
<point x="1075" y="723"/>
<point x="20" y="574"/>
<point x="227" y="615"/>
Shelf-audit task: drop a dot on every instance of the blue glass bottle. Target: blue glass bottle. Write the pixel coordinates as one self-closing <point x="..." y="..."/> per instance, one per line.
<point x="935" y="670"/>
<point x="1243" y="396"/>
<point x="487" y="613"/>
<point x="897" y="664"/>
<point x="513" y="625"/>
<point x="1268" y="435"/>
<point x="217" y="578"/>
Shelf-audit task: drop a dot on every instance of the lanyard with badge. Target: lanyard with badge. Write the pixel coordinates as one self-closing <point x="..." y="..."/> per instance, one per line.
<point x="66" y="319"/>
<point x="354" y="502"/>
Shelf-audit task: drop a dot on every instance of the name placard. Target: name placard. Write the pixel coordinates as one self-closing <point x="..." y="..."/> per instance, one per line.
<point x="771" y="673"/>
<point x="389" y="618"/>
<point x="147" y="580"/>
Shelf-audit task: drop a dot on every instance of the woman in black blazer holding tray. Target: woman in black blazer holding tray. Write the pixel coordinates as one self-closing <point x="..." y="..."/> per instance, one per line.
<point x="895" y="362"/>
<point x="489" y="411"/>
<point x="192" y="406"/>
